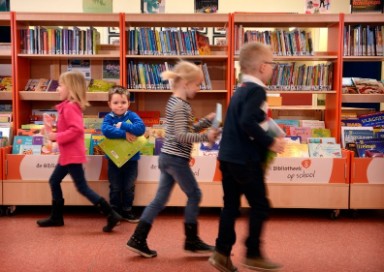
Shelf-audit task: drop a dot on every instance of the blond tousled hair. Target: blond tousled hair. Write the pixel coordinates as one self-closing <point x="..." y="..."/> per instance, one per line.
<point x="252" y="55"/>
<point x="77" y="87"/>
<point x="183" y="70"/>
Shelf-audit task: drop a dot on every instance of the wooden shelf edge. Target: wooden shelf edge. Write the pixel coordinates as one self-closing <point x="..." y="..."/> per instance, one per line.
<point x="362" y="98"/>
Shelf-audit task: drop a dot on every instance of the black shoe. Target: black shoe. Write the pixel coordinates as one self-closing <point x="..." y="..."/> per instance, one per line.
<point x="113" y="220"/>
<point x="130" y="216"/>
<point x="140" y="247"/>
<point x="197" y="246"/>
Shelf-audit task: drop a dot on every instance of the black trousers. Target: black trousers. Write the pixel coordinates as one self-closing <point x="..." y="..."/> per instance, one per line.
<point x="241" y="179"/>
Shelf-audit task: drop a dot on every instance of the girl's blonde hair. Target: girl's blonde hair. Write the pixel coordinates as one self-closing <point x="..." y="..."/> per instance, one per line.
<point x="77" y="87"/>
<point x="183" y="70"/>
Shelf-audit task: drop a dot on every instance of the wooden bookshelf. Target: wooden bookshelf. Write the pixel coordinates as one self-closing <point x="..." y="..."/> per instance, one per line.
<point x="218" y="61"/>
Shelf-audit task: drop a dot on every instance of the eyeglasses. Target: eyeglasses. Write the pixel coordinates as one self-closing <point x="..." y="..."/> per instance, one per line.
<point x="272" y="63"/>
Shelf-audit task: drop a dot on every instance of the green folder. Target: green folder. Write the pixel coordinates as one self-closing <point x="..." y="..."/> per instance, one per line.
<point x="120" y="150"/>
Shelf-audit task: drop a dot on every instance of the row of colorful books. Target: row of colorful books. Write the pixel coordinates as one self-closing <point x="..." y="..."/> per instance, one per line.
<point x="148" y="76"/>
<point x="311" y="150"/>
<point x="293" y="76"/>
<point x="59" y="40"/>
<point x="304" y="129"/>
<point x="297" y="42"/>
<point x="363" y="40"/>
<point x="148" y="41"/>
<point x="350" y="136"/>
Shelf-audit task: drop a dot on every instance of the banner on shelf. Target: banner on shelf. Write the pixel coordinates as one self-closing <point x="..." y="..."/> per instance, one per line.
<point x="307" y="171"/>
<point x="34" y="167"/>
<point x="205" y="168"/>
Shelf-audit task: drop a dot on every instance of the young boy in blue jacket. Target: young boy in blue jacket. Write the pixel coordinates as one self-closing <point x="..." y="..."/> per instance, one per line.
<point x="121" y="123"/>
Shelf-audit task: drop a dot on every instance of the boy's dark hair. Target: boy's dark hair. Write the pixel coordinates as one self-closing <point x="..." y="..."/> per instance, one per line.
<point x="118" y="89"/>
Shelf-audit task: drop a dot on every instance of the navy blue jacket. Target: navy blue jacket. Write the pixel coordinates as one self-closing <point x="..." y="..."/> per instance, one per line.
<point x="243" y="139"/>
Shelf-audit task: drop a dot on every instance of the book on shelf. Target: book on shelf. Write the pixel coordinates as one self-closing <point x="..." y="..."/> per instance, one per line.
<point x="351" y="134"/>
<point x="320" y="132"/>
<point x="293" y="139"/>
<point x="303" y="132"/>
<point x="321" y="140"/>
<point x="203" y="44"/>
<point x="312" y="123"/>
<point x="372" y="119"/>
<point x="352" y="147"/>
<point x="206" y="6"/>
<point x="95" y="149"/>
<point x="324" y="150"/>
<point x="366" y="6"/>
<point x="111" y="69"/>
<point x="5" y="83"/>
<point x="294" y="150"/>
<point x="350" y="122"/>
<point x="370" y="148"/>
<point x="100" y="85"/>
<point x="152" y="6"/>
<point x="31" y="85"/>
<point x="19" y="142"/>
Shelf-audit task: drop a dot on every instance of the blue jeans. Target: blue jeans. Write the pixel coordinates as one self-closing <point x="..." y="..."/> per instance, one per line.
<point x="240" y="179"/>
<point x="76" y="171"/>
<point x="174" y="168"/>
<point x="122" y="185"/>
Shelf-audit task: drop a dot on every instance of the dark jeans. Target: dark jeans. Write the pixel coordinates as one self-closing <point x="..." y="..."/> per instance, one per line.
<point x="174" y="168"/>
<point x="76" y="171"/>
<point x="237" y="180"/>
<point x="122" y="185"/>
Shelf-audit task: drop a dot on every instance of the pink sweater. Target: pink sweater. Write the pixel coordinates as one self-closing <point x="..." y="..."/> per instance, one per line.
<point x="70" y="133"/>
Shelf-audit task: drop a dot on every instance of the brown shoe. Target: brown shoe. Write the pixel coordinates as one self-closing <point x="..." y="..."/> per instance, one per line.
<point x="261" y="264"/>
<point x="222" y="263"/>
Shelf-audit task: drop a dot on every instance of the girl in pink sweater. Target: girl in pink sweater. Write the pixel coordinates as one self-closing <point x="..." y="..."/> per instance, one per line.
<point x="70" y="139"/>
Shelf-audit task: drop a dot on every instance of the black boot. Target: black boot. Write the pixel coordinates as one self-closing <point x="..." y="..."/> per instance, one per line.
<point x="193" y="243"/>
<point x="138" y="241"/>
<point x="56" y="217"/>
<point x="113" y="217"/>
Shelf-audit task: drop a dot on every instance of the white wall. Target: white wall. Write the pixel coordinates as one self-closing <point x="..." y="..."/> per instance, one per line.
<point x="177" y="6"/>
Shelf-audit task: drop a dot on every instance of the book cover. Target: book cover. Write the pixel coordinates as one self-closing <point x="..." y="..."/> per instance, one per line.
<point x="352" y="147"/>
<point x="351" y="122"/>
<point x="368" y="85"/>
<point x="303" y="132"/>
<point x="152" y="6"/>
<point x="18" y="141"/>
<point x="53" y="84"/>
<point x="320" y="132"/>
<point x="203" y="44"/>
<point x="30" y="149"/>
<point x="370" y="148"/>
<point x="31" y="85"/>
<point x="312" y="123"/>
<point x="351" y="134"/>
<point x="366" y="6"/>
<point x="120" y="150"/>
<point x="95" y="149"/>
<point x="294" y="150"/>
<point x="293" y="139"/>
<point x="206" y="6"/>
<point x="42" y="85"/>
<point x="322" y="140"/>
<point x="100" y="85"/>
<point x="372" y="119"/>
<point x="111" y="69"/>
<point x="324" y="150"/>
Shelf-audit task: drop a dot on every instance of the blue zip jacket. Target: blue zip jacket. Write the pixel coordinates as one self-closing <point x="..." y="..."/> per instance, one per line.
<point x="136" y="127"/>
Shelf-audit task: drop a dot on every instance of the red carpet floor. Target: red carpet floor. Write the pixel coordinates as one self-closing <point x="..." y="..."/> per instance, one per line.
<point x="301" y="240"/>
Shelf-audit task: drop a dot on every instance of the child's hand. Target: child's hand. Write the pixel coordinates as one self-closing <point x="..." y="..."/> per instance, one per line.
<point x="213" y="134"/>
<point x="130" y="137"/>
<point x="211" y="116"/>
<point x="52" y="136"/>
<point x="118" y="125"/>
<point x="278" y="145"/>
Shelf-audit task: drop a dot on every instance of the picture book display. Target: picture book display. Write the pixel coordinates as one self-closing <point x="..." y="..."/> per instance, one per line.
<point x="370" y="148"/>
<point x="351" y="134"/>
